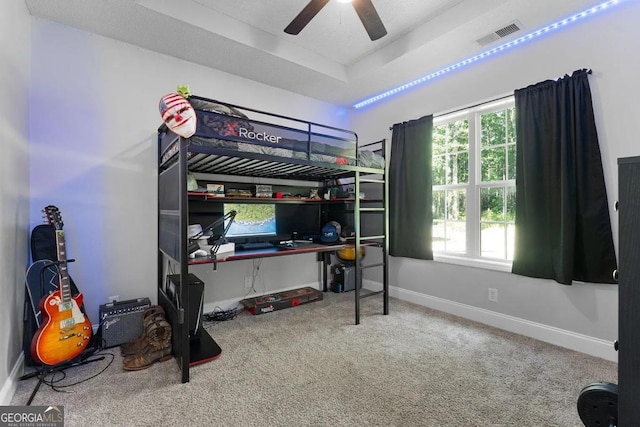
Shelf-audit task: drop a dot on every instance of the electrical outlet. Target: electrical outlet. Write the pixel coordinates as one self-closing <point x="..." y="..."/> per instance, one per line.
<point x="114" y="298"/>
<point x="493" y="294"/>
<point x="247" y="281"/>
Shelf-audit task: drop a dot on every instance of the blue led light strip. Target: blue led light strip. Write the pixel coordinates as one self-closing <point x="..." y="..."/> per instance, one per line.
<point x="465" y="62"/>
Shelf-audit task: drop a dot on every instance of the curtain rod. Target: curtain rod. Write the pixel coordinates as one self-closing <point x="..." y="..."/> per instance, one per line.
<point x="588" y="71"/>
<point x="470" y="106"/>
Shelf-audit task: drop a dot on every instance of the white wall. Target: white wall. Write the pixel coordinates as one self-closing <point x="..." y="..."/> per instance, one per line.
<point x="94" y="119"/>
<point x="14" y="183"/>
<point x="607" y="43"/>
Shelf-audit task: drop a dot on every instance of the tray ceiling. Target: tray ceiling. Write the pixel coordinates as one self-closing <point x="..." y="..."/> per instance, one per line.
<point x="332" y="59"/>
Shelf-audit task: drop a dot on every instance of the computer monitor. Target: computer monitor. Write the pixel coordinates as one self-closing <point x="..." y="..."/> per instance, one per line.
<point x="251" y="220"/>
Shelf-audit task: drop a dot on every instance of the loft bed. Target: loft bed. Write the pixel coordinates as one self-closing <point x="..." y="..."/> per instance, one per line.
<point x="240" y="141"/>
<point x="228" y="141"/>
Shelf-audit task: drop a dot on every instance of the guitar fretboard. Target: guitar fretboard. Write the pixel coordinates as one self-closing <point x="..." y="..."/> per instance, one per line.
<point x="65" y="288"/>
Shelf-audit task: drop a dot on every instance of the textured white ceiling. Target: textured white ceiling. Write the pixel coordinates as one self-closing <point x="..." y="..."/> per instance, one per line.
<point x="332" y="59"/>
<point x="335" y="33"/>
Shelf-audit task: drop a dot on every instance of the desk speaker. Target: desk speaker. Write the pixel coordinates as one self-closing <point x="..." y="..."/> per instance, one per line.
<point x="121" y="321"/>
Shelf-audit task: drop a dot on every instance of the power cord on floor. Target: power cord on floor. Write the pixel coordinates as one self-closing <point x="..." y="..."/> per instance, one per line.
<point x="220" y="315"/>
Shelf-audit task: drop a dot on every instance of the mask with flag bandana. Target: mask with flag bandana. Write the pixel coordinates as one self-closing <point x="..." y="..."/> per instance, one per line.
<point x="178" y="114"/>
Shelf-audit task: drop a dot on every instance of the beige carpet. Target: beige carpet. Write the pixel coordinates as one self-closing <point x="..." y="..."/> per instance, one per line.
<point x="311" y="366"/>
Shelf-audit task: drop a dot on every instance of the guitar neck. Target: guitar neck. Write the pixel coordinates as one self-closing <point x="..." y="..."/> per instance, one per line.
<point x="61" y="252"/>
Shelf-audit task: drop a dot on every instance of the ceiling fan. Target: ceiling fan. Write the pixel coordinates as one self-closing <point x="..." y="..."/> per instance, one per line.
<point x="364" y="8"/>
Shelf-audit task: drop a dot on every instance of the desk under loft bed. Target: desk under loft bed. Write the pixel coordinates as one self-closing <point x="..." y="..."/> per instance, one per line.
<point x="237" y="141"/>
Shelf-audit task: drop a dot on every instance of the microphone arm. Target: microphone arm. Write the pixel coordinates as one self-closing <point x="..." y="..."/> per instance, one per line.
<point x="214" y="249"/>
<point x="193" y="240"/>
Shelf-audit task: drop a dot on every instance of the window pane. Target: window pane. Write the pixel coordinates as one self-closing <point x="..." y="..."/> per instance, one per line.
<point x="492" y="204"/>
<point x="438" y="205"/>
<point x="493" y="128"/>
<point x="511" y="125"/>
<point x="493" y="164"/>
<point x="459" y="136"/>
<point x="511" y="204"/>
<point x="511" y="161"/>
<point x="458" y="169"/>
<point x="456" y="233"/>
<point x="492" y="241"/>
<point x="438" y="238"/>
<point x="456" y="205"/>
<point x="439" y="140"/>
<point x="438" y="170"/>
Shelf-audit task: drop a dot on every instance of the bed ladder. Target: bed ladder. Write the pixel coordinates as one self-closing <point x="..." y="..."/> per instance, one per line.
<point x="364" y="207"/>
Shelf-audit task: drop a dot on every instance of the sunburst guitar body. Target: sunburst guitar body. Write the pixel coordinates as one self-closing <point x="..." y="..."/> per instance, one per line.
<point x="65" y="331"/>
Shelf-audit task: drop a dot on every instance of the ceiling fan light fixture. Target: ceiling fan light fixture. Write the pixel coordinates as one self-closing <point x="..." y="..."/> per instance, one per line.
<point x="365" y="10"/>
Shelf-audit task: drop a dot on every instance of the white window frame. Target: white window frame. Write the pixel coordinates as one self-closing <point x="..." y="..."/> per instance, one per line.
<point x="473" y="188"/>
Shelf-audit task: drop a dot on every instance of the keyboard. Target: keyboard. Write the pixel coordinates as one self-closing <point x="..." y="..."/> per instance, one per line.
<point x="252" y="246"/>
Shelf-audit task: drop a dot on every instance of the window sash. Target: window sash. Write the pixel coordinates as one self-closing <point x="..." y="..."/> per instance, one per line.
<point x="474" y="186"/>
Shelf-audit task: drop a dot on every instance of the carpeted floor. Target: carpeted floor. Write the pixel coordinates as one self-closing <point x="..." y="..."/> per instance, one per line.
<point x="311" y="366"/>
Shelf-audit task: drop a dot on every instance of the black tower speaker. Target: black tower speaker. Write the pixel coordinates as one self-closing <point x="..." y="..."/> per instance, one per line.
<point x="195" y="299"/>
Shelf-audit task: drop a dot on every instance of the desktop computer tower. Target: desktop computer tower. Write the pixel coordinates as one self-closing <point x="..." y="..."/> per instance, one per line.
<point x="343" y="278"/>
<point x="195" y="300"/>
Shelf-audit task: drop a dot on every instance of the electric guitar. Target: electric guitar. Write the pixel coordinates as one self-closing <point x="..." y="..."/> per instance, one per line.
<point x="65" y="331"/>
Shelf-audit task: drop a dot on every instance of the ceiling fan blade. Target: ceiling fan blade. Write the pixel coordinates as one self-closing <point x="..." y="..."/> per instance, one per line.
<point x="370" y="19"/>
<point x="305" y="16"/>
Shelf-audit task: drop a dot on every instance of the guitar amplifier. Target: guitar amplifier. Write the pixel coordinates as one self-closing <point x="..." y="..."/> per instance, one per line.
<point x="121" y="321"/>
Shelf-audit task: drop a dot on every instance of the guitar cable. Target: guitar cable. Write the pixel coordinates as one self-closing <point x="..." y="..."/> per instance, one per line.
<point x="53" y="381"/>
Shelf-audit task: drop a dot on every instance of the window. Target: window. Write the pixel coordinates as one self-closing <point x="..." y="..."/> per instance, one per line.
<point x="474" y="155"/>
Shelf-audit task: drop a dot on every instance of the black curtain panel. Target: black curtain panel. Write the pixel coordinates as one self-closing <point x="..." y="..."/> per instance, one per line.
<point x="563" y="229"/>
<point x="410" y="193"/>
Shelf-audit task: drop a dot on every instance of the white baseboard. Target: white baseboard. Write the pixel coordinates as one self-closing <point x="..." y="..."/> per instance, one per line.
<point x="574" y="341"/>
<point x="11" y="384"/>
